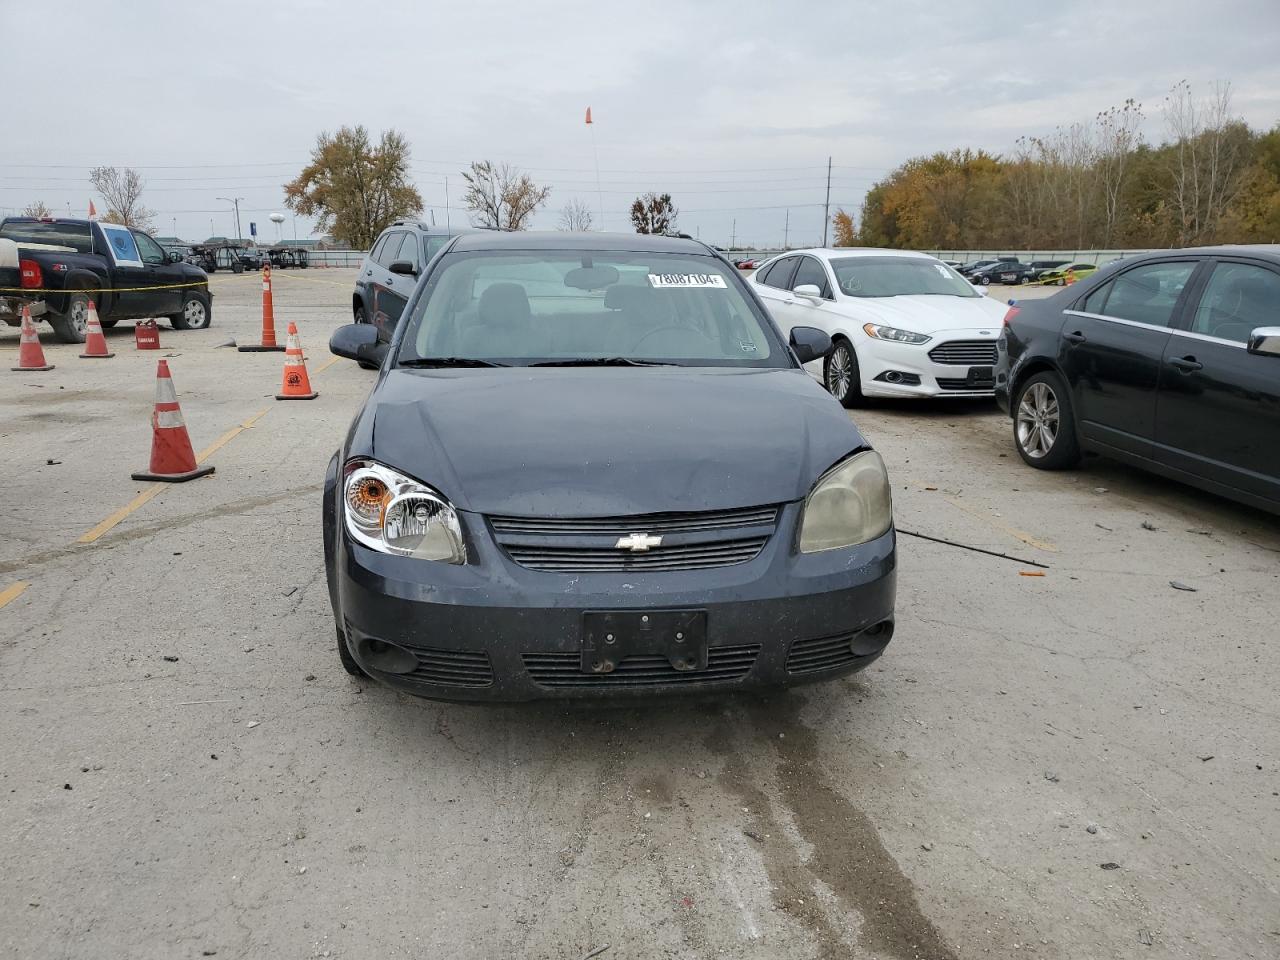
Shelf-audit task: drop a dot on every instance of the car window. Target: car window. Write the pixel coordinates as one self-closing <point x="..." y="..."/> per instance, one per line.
<point x="1238" y="297"/>
<point x="73" y="235"/>
<point x="408" y="250"/>
<point x="433" y="245"/>
<point x="377" y="248"/>
<point x="1097" y="300"/>
<point x="539" y="306"/>
<point x="1148" y="294"/>
<point x="779" y="274"/>
<point x="811" y="271"/>
<point x="390" y="249"/>
<point x="898" y="277"/>
<point x="150" y="250"/>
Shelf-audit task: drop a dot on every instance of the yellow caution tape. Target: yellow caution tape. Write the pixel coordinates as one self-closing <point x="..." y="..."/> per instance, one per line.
<point x="166" y="286"/>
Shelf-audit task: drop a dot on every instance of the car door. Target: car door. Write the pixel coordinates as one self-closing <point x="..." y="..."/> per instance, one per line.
<point x="166" y="297"/>
<point x="805" y="312"/>
<point x="1218" y="410"/>
<point x="773" y="284"/>
<point x="383" y="309"/>
<point x="132" y="277"/>
<point x="397" y="286"/>
<point x="364" y="279"/>
<point x="1112" y="349"/>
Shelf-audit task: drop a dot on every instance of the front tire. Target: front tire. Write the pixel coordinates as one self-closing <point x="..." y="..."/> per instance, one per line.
<point x="841" y="375"/>
<point x="196" y="313"/>
<point x="1044" y="426"/>
<point x="72" y="326"/>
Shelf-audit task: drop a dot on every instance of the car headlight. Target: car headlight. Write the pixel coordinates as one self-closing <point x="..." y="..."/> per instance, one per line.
<point x="893" y="333"/>
<point x="850" y="504"/>
<point x="391" y="513"/>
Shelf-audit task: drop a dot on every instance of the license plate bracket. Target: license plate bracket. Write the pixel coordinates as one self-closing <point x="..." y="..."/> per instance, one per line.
<point x="610" y="636"/>
<point x="981" y="376"/>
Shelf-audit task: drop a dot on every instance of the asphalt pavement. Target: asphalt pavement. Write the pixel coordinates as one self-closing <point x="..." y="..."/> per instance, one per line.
<point x="1060" y="755"/>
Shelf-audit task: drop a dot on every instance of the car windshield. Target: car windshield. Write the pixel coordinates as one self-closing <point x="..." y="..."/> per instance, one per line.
<point x="554" y="306"/>
<point x="73" y="235"/>
<point x="898" y="277"/>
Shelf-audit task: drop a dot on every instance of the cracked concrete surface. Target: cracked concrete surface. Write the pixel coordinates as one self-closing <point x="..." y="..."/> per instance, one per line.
<point x="933" y="807"/>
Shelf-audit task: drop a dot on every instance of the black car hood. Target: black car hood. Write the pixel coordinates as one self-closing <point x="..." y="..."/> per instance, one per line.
<point x="606" y="441"/>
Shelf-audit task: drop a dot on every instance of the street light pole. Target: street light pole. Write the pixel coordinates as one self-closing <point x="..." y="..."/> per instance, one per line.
<point x="235" y="202"/>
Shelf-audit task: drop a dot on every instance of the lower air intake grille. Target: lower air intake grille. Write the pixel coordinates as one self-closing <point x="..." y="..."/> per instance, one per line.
<point x="823" y="653"/>
<point x="962" y="384"/>
<point x="562" y="669"/>
<point x="454" y="668"/>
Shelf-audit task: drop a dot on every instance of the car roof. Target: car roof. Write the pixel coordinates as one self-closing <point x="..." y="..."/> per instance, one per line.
<point x="827" y="253"/>
<point x="563" y="240"/>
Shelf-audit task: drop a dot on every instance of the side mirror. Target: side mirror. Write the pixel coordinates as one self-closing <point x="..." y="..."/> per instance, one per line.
<point x="355" y="341"/>
<point x="809" y="291"/>
<point x="404" y="267"/>
<point x="810" y="343"/>
<point x="175" y="256"/>
<point x="1265" y="341"/>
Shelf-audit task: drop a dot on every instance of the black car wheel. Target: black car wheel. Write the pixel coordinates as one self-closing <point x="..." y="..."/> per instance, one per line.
<point x="72" y="326"/>
<point x="348" y="661"/>
<point x="841" y="375"/>
<point x="1044" y="429"/>
<point x="195" y="313"/>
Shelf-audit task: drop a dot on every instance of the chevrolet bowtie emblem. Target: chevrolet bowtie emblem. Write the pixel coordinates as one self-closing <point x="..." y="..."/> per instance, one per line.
<point x="637" y="542"/>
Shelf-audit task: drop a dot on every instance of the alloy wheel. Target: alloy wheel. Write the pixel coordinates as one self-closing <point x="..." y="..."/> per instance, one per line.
<point x="79" y="315"/>
<point x="194" y="314"/>
<point x="839" y="372"/>
<point x="1039" y="419"/>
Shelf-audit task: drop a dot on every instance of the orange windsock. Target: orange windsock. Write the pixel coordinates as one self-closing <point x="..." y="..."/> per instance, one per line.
<point x="30" y="353"/>
<point x="93" y="212"/>
<point x="172" y="458"/>
<point x="95" y="344"/>
<point x="297" y="385"/>
<point x="588" y="114"/>
<point x="268" y="318"/>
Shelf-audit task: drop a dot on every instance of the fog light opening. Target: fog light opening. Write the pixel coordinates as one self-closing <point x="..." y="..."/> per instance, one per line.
<point x="872" y="640"/>
<point x="386" y="657"/>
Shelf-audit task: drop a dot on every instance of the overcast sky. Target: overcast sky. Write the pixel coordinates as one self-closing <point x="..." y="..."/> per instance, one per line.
<point x="732" y="107"/>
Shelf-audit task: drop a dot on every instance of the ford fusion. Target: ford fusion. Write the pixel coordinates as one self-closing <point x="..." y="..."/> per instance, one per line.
<point x="592" y="465"/>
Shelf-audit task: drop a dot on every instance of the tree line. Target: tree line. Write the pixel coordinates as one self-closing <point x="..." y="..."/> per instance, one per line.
<point x="1099" y="184"/>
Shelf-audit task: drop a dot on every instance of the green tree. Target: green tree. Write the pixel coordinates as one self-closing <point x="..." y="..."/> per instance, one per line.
<point x="354" y="189"/>
<point x="654" y="213"/>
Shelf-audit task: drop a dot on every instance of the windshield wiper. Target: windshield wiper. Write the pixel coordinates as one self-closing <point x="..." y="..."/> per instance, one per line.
<point x="603" y="362"/>
<point x="449" y="362"/>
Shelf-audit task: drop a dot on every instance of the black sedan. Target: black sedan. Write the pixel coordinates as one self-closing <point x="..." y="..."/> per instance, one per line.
<point x="1003" y="271"/>
<point x="1168" y="361"/>
<point x="591" y="464"/>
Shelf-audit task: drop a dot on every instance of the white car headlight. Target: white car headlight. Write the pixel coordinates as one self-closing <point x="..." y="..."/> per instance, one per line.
<point x="391" y="513"/>
<point x="893" y="333"/>
<point x="850" y="504"/>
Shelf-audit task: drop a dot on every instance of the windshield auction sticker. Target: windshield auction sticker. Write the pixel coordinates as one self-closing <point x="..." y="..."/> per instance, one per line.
<point x="687" y="280"/>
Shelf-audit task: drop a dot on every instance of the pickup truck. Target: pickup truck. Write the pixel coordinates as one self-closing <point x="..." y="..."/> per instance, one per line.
<point x="56" y="266"/>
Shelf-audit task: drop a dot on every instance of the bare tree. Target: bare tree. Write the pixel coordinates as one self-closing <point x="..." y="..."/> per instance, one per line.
<point x="500" y="196"/>
<point x="1208" y="158"/>
<point x="654" y="213"/>
<point x="575" y="216"/>
<point x="1118" y="135"/>
<point x="37" y="210"/>
<point x="122" y="191"/>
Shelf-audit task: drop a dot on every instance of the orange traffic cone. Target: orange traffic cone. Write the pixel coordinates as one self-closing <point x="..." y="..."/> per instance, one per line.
<point x="95" y="344"/>
<point x="30" y="354"/>
<point x="172" y="458"/>
<point x="297" y="385"/>
<point x="268" y="318"/>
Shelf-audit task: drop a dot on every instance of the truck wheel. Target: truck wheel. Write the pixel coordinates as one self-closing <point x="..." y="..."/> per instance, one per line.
<point x="237" y="267"/>
<point x="196" y="313"/>
<point x="72" y="326"/>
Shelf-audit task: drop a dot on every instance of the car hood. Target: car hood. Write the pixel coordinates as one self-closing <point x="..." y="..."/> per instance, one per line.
<point x="931" y="314"/>
<point x="606" y="441"/>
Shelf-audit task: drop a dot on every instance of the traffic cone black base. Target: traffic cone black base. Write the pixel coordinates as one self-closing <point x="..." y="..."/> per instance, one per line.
<point x="96" y="356"/>
<point x="47" y="366"/>
<point x="174" y="477"/>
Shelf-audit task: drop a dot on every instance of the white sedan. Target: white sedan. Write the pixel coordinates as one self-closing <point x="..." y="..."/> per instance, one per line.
<point x="904" y="324"/>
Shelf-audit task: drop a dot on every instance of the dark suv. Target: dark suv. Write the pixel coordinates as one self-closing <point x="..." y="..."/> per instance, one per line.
<point x="1167" y="361"/>
<point x="390" y="272"/>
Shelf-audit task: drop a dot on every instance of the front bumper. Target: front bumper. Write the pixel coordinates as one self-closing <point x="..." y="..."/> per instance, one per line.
<point x="879" y="358"/>
<point x="493" y="630"/>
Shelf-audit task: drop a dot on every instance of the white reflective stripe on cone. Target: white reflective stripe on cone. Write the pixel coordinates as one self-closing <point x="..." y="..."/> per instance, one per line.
<point x="164" y="390"/>
<point x="168" y="419"/>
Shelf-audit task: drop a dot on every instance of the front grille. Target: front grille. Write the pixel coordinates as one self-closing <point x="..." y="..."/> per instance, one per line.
<point x="967" y="352"/>
<point x="960" y="383"/>
<point x="823" y="653"/>
<point x="724" y="664"/>
<point x="691" y="541"/>
<point x="454" y="668"/>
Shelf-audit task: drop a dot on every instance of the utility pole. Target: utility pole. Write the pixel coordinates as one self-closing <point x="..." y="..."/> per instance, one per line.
<point x="826" y="207"/>
<point x="235" y="202"/>
<point x="733" y="232"/>
<point x="786" y="229"/>
<point x="448" y="221"/>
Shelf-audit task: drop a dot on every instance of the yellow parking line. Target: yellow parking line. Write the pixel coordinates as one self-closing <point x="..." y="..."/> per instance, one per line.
<point x="326" y="365"/>
<point x="9" y="594"/>
<point x="150" y="493"/>
<point x="1014" y="532"/>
